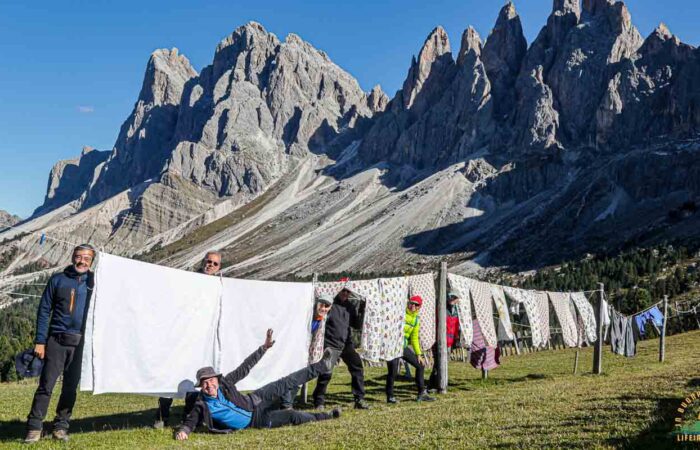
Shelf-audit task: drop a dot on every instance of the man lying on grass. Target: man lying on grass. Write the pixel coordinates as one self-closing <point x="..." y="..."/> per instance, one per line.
<point x="222" y="409"/>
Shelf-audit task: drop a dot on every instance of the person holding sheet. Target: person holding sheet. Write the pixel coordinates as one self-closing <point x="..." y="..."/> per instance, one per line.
<point x="60" y="325"/>
<point x="211" y="265"/>
<point x="342" y="317"/>
<point x="412" y="353"/>
<point x="323" y="305"/>
<point x="222" y="408"/>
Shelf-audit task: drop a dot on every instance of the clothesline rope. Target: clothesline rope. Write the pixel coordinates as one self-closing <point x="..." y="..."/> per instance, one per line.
<point x="19" y="293"/>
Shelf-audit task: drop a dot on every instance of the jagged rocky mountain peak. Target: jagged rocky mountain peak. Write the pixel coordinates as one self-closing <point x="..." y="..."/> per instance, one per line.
<point x="167" y="72"/>
<point x="471" y="43"/>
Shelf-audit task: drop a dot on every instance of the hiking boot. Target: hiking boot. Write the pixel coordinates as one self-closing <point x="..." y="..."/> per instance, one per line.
<point x="336" y="412"/>
<point x="424" y="397"/>
<point x="361" y="404"/>
<point x="60" y="435"/>
<point x="392" y="400"/>
<point x="32" y="436"/>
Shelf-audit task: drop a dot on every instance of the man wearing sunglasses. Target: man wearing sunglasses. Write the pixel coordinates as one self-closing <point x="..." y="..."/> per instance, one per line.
<point x="412" y="353"/>
<point x="211" y="265"/>
<point x="60" y="326"/>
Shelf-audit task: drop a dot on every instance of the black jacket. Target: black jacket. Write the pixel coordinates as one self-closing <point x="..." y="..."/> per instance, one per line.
<point x="64" y="304"/>
<point x="341" y="317"/>
<point x="196" y="409"/>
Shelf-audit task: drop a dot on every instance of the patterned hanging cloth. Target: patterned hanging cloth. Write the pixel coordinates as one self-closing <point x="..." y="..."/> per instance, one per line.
<point x="587" y="314"/>
<point x="483" y="356"/>
<point x="505" y="328"/>
<point x="317" y="341"/>
<point x="562" y="310"/>
<point x="464" y="309"/>
<point x="382" y="329"/>
<point x="424" y="285"/>
<point x="483" y="307"/>
<point x="543" y="303"/>
<point x="533" y="311"/>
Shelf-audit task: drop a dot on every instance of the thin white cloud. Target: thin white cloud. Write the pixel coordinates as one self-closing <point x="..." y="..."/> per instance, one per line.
<point x="86" y="109"/>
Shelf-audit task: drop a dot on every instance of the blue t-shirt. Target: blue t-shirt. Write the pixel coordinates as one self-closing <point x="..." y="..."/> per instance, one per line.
<point x="225" y="414"/>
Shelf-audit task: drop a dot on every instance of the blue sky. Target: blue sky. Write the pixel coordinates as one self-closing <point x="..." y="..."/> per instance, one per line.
<point x="71" y="70"/>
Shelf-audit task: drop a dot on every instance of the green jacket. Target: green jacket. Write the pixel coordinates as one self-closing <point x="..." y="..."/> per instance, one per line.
<point x="411" y="330"/>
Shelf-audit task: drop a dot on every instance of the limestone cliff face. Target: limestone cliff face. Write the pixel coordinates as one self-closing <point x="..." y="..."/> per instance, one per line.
<point x="498" y="154"/>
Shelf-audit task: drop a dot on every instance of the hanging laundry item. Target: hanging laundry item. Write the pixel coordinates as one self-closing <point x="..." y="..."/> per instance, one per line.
<point x="482" y="355"/>
<point x="505" y="329"/>
<point x="464" y="308"/>
<point x="622" y="336"/>
<point x="580" y="327"/>
<point x="543" y="303"/>
<point x="150" y="328"/>
<point x="538" y="327"/>
<point x="653" y="316"/>
<point x="562" y="309"/>
<point x="248" y="309"/>
<point x="483" y="308"/>
<point x="330" y="288"/>
<point x="317" y="343"/>
<point x="382" y="329"/>
<point x="587" y="314"/>
<point x="424" y="285"/>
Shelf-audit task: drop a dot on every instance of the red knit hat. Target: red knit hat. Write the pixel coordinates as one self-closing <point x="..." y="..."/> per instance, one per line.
<point x="416" y="299"/>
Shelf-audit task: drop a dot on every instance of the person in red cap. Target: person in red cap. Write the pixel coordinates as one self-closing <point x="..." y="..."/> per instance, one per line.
<point x="411" y="353"/>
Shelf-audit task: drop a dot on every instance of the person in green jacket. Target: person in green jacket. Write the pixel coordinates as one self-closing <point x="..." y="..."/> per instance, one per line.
<point x="412" y="353"/>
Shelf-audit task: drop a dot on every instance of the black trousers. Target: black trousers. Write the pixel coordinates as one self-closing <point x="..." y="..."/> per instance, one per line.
<point x="354" y="362"/>
<point x="59" y="359"/>
<point x="268" y="415"/>
<point x="410" y="357"/>
<point x="164" y="404"/>
<point x="267" y="400"/>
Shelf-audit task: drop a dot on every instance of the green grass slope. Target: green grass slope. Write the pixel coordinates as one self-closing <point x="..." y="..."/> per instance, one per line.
<point x="532" y="400"/>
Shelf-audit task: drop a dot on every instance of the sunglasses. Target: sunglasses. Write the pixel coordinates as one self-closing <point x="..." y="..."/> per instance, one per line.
<point x="213" y="263"/>
<point x="413" y="304"/>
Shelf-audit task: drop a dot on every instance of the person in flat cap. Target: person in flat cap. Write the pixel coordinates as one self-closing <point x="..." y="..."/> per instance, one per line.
<point x="221" y="408"/>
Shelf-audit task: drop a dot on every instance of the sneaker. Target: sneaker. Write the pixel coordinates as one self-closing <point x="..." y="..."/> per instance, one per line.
<point x="159" y="424"/>
<point x="424" y="397"/>
<point x="361" y="404"/>
<point x="320" y="406"/>
<point x="392" y="400"/>
<point x="336" y="412"/>
<point x="32" y="436"/>
<point x="286" y="408"/>
<point x="60" y="435"/>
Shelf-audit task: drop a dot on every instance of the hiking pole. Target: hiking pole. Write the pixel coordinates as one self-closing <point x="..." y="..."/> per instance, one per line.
<point x="576" y="362"/>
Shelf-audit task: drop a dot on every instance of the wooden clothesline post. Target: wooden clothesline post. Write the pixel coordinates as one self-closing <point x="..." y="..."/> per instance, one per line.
<point x="442" y="357"/>
<point x="662" y="340"/>
<point x="598" y="350"/>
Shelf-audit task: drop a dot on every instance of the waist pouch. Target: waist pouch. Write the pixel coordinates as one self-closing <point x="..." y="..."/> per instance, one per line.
<point x="69" y="339"/>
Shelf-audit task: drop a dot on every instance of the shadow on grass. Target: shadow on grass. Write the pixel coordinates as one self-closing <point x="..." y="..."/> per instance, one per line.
<point x="15" y="429"/>
<point x="657" y="434"/>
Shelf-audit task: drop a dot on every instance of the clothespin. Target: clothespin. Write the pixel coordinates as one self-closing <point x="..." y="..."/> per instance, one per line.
<point x="42" y="239"/>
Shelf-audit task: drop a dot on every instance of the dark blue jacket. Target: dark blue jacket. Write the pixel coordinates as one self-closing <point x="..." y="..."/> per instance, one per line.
<point x="64" y="304"/>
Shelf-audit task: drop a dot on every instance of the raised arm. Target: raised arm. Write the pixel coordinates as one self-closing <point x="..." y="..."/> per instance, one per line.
<point x="244" y="369"/>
